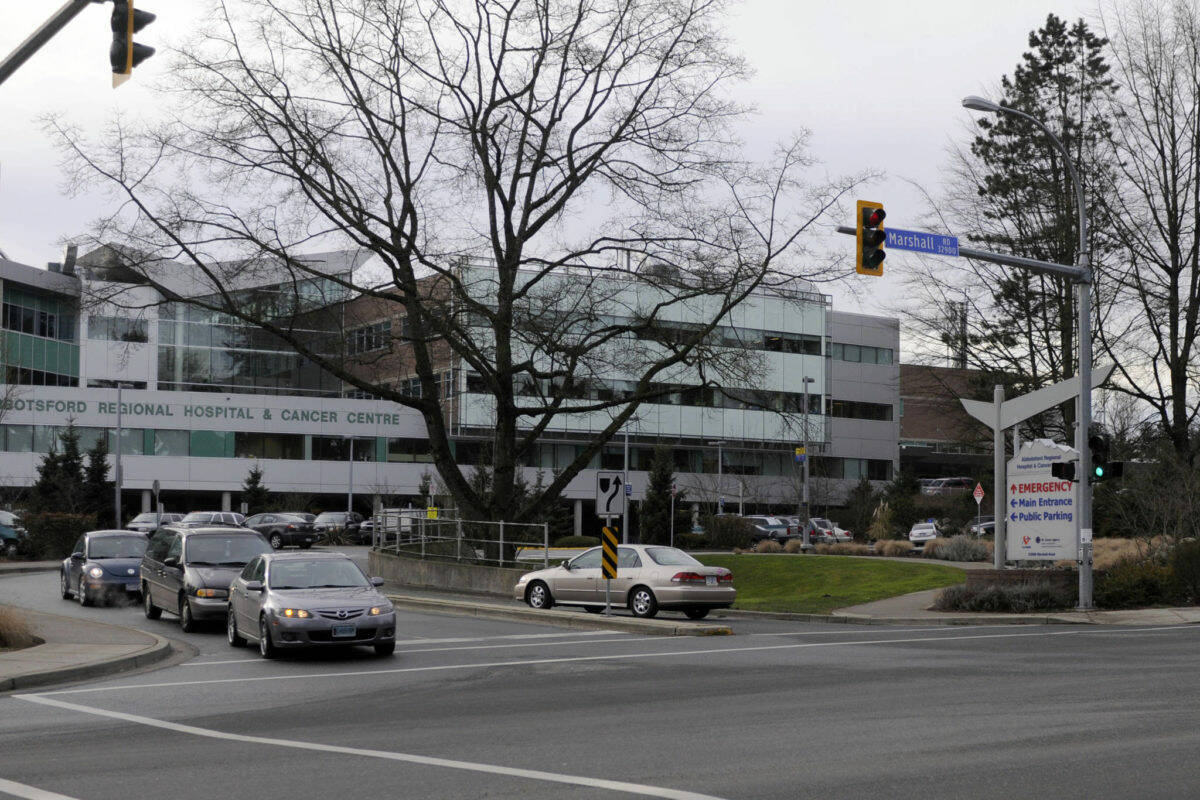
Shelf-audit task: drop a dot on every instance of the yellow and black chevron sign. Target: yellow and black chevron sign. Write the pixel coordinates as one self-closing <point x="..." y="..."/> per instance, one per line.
<point x="608" y="563"/>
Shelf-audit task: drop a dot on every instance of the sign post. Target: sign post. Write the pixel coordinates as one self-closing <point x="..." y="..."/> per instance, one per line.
<point x="673" y="490"/>
<point x="978" y="494"/>
<point x="157" y="505"/>
<point x="608" y="563"/>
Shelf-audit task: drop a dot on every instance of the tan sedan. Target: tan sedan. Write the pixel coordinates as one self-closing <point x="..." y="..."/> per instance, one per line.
<point x="649" y="578"/>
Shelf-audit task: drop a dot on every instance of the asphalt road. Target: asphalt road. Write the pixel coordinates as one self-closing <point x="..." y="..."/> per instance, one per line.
<point x="489" y="709"/>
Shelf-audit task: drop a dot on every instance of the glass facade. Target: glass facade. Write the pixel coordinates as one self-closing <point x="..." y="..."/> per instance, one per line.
<point x="861" y="353"/>
<point x="37" y="340"/>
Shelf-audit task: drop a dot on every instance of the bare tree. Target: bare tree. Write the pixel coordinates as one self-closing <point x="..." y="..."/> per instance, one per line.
<point x="1155" y="215"/>
<point x="560" y="141"/>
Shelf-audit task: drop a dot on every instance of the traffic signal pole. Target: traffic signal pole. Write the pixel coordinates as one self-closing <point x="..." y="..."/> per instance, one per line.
<point x="13" y="61"/>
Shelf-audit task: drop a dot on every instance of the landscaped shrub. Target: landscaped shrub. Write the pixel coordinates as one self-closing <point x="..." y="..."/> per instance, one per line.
<point x="14" y="631"/>
<point x="959" y="548"/>
<point x="730" y="532"/>
<point x="1185" y="564"/>
<point x="576" y="541"/>
<point x="893" y="548"/>
<point x="1018" y="598"/>
<point x="1136" y="584"/>
<point x="843" y="549"/>
<point x="930" y="550"/>
<point x="794" y="546"/>
<point x="51" y="535"/>
<point x="768" y="546"/>
<point x="691" y="541"/>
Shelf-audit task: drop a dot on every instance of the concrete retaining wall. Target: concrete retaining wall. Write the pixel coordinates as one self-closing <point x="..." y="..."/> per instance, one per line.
<point x="446" y="576"/>
<point x="1061" y="578"/>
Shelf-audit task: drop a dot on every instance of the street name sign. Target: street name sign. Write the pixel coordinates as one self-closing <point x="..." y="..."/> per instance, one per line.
<point x="1040" y="509"/>
<point x="610" y="500"/>
<point x="921" y="242"/>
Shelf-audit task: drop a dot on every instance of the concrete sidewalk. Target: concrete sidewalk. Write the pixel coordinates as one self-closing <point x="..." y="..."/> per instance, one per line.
<point x="19" y="567"/>
<point x="76" y="649"/>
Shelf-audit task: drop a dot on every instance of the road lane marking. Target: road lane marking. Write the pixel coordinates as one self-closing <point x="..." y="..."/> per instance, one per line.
<point x="882" y="629"/>
<point x="449" y="649"/>
<point x="29" y="792"/>
<point x="470" y="766"/>
<point x="611" y="657"/>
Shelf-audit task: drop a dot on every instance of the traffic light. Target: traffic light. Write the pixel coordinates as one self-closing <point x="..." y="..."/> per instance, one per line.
<point x="125" y="53"/>
<point x="870" y="238"/>
<point x="1064" y="470"/>
<point x="1102" y="468"/>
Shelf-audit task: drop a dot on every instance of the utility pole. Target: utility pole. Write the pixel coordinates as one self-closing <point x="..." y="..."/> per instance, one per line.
<point x="807" y="543"/>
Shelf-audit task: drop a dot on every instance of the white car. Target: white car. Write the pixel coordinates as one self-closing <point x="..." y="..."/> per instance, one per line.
<point x="826" y="531"/>
<point x="922" y="532"/>
<point x="147" y="521"/>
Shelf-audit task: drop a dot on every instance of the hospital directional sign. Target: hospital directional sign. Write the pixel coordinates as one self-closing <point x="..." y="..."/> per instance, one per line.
<point x="1040" y="509"/>
<point x="921" y="242"/>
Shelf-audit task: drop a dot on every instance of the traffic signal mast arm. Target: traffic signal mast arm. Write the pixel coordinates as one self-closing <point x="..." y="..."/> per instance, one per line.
<point x="25" y="50"/>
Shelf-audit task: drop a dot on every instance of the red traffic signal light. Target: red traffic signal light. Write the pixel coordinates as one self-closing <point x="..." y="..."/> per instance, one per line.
<point x="870" y="238"/>
<point x="125" y="54"/>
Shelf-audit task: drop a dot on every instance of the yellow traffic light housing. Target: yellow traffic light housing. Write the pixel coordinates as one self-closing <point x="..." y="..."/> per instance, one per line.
<point x="870" y="238"/>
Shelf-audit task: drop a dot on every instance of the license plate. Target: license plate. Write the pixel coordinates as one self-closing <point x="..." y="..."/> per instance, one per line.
<point x="132" y="587"/>
<point x="344" y="630"/>
<point x="710" y="580"/>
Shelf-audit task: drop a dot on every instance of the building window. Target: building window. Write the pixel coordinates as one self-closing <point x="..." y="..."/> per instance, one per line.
<point x="861" y="353"/>
<point x="18" y="438"/>
<point x="409" y="450"/>
<point x="337" y="448"/>
<point x="850" y="409"/>
<point x="117" y="329"/>
<point x="171" y="443"/>
<point x="369" y="338"/>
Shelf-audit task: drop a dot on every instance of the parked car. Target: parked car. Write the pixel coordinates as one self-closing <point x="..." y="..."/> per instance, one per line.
<point x="777" y="529"/>
<point x="205" y="519"/>
<point x="147" y="521"/>
<point x="294" y="600"/>
<point x="284" y="530"/>
<point x="957" y="485"/>
<point x="102" y="565"/>
<point x="187" y="571"/>
<point x="922" y="532"/>
<point x="824" y="531"/>
<point x="649" y="578"/>
<point x="347" y="522"/>
<point x="985" y="528"/>
<point x="10" y="541"/>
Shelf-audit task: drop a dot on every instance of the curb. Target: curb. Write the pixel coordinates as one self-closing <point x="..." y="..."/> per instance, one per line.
<point x="863" y="619"/>
<point x="23" y="570"/>
<point x="159" y="650"/>
<point x="568" y="619"/>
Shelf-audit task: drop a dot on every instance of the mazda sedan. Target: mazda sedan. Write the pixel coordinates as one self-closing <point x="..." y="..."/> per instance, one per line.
<point x="297" y="600"/>
<point x="649" y="578"/>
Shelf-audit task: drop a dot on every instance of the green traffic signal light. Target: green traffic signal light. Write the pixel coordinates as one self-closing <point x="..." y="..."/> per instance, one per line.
<point x="1099" y="470"/>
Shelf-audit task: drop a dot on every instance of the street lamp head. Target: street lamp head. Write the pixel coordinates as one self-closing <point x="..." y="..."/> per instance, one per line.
<point x="807" y="379"/>
<point x="977" y="103"/>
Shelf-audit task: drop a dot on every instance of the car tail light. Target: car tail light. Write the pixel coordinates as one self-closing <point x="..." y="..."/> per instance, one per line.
<point x="291" y="527"/>
<point x="687" y="577"/>
<point x="725" y="578"/>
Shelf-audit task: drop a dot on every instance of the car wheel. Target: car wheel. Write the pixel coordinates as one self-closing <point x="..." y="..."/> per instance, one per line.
<point x="538" y="595"/>
<point x="187" y="623"/>
<point x="385" y="649"/>
<point x="642" y="602"/>
<point x="81" y="593"/>
<point x="593" y="609"/>
<point x="231" y="632"/>
<point x="64" y="586"/>
<point x="695" y="613"/>
<point x="266" y="648"/>
<point x="152" y="611"/>
<point x="276" y="541"/>
<point x="10" y="550"/>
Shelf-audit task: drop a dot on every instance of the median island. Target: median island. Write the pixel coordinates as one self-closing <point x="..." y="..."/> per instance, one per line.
<point x="800" y="585"/>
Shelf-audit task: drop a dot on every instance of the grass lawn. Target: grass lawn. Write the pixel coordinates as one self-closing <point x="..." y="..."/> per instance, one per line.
<point x="819" y="584"/>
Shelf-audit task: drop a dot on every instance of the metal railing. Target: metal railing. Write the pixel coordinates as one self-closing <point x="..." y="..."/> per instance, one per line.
<point x="412" y="533"/>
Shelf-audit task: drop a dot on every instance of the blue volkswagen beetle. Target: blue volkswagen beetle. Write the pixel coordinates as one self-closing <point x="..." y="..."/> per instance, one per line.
<point x="103" y="565"/>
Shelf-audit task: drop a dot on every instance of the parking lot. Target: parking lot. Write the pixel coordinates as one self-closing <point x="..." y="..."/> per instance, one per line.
<point x="485" y="708"/>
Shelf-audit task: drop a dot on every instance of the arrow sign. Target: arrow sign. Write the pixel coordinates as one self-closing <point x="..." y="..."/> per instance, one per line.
<point x="1027" y="405"/>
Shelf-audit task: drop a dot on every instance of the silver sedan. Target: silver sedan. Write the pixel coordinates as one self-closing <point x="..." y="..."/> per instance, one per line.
<point x="649" y="578"/>
<point x="292" y="600"/>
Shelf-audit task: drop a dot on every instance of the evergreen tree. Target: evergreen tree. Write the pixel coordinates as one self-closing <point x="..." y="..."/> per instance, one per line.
<point x="59" y="486"/>
<point x="860" y="508"/>
<point x="97" y="488"/>
<point x="654" y="513"/>
<point x="256" y="496"/>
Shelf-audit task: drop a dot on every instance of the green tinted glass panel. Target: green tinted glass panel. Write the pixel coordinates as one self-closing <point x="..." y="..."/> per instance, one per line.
<point x="211" y="444"/>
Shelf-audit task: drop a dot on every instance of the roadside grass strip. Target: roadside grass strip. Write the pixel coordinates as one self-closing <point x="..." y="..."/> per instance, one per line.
<point x="802" y="585"/>
<point x="447" y="763"/>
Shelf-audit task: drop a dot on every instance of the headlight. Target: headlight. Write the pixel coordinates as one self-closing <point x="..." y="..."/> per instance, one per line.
<point x="377" y="610"/>
<point x="212" y="592"/>
<point x="297" y="613"/>
<point x="95" y="572"/>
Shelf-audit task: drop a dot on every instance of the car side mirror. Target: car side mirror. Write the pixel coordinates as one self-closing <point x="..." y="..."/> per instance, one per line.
<point x="254" y="586"/>
<point x="171" y="561"/>
<point x="377" y="581"/>
<point x="566" y="565"/>
<point x="75" y="556"/>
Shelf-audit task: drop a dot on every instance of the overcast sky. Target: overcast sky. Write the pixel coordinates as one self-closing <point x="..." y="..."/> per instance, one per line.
<point x="878" y="84"/>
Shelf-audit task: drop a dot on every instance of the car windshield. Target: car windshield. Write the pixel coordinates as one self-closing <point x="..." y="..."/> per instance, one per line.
<point x="818" y="522"/>
<point x="671" y="557"/>
<point x="291" y="518"/>
<point x="324" y="573"/>
<point x="225" y="550"/>
<point x="117" y="547"/>
<point x="199" y="516"/>
<point x="8" y="518"/>
<point x="149" y="516"/>
<point x="331" y="516"/>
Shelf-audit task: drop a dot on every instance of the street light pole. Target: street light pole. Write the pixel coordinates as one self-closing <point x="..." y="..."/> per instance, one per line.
<point x="1083" y="285"/>
<point x="350" y="482"/>
<point x="624" y="483"/>
<point x="806" y="380"/>
<point x="720" y="479"/>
